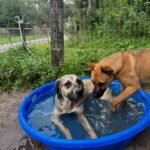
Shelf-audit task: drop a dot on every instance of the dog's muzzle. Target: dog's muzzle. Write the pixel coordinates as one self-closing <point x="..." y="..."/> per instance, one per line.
<point x="79" y="92"/>
<point x="76" y="95"/>
<point x="98" y="94"/>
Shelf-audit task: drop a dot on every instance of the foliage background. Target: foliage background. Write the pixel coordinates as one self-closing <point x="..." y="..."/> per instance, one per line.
<point x="95" y="29"/>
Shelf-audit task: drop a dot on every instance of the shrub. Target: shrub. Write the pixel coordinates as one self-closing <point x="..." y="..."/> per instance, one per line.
<point x="19" y="69"/>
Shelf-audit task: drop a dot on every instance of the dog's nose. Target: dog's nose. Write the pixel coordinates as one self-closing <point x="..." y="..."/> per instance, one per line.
<point x="96" y="95"/>
<point x="79" y="91"/>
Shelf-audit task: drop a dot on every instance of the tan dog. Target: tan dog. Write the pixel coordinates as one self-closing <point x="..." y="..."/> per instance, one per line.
<point x="71" y="92"/>
<point x="131" y="68"/>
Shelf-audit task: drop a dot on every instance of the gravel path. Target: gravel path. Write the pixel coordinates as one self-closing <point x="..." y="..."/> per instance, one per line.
<point x="5" y="47"/>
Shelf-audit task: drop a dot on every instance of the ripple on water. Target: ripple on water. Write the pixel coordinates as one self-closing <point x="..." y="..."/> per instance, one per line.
<point x="101" y="119"/>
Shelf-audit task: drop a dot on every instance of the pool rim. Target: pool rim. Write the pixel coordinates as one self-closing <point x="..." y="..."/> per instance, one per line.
<point x="100" y="141"/>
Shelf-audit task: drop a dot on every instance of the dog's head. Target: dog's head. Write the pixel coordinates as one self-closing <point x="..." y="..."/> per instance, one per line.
<point x="69" y="89"/>
<point x="101" y="76"/>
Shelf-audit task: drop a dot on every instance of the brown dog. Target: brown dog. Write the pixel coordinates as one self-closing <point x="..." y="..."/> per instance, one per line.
<point x="131" y="68"/>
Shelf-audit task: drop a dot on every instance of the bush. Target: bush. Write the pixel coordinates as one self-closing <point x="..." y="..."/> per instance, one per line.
<point x="19" y="69"/>
<point x="120" y="17"/>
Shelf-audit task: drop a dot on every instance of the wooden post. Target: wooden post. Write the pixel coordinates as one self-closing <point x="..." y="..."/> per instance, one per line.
<point x="57" y="32"/>
<point x="89" y="4"/>
<point x="92" y="4"/>
<point x="23" y="36"/>
<point x="8" y="33"/>
<point x="97" y="3"/>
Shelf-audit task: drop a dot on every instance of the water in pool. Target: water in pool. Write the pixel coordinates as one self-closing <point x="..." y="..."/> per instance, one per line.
<point x="99" y="116"/>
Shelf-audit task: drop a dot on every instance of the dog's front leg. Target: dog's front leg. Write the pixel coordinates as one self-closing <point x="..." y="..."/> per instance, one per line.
<point x="125" y="94"/>
<point x="84" y="122"/>
<point x="56" y="120"/>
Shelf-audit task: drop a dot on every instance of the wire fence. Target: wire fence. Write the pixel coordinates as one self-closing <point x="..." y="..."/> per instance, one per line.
<point x="127" y="18"/>
<point x="10" y="37"/>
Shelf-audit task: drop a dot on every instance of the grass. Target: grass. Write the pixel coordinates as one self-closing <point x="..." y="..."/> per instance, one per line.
<point x="4" y="39"/>
<point x="94" y="48"/>
<point x="20" y="69"/>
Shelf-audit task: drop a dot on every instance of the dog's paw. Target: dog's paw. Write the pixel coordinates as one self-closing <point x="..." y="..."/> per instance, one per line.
<point x="92" y="134"/>
<point x="68" y="135"/>
<point x="113" y="107"/>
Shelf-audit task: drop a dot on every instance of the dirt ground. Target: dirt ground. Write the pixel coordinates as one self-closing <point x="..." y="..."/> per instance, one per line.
<point x="11" y="135"/>
<point x="13" y="138"/>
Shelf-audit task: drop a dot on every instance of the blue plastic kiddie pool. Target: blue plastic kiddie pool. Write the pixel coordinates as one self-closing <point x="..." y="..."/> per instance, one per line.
<point x="110" y="142"/>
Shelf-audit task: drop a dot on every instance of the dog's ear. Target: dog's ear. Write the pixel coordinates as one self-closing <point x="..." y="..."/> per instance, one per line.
<point x="91" y="65"/>
<point x="58" y="91"/>
<point x="107" y="70"/>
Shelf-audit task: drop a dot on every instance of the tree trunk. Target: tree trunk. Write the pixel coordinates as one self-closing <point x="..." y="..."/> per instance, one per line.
<point x="57" y="32"/>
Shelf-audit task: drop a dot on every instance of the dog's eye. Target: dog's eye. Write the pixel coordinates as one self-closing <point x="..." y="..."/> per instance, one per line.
<point x="79" y="81"/>
<point x="67" y="84"/>
<point x="101" y="83"/>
